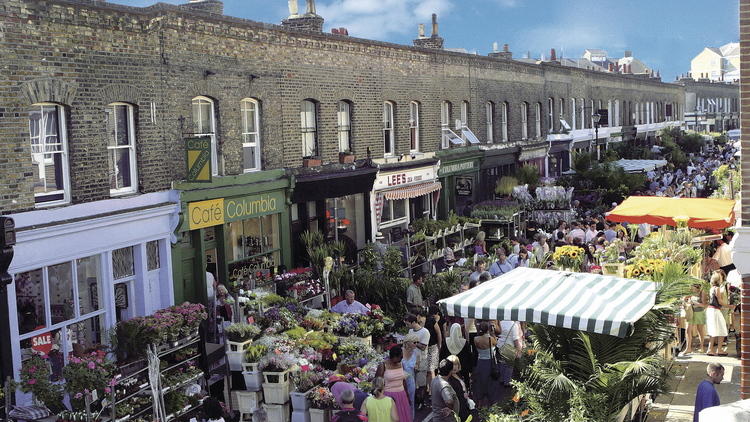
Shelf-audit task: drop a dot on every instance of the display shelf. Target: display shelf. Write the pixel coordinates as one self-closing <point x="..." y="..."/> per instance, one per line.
<point x="185" y="411"/>
<point x="312" y="297"/>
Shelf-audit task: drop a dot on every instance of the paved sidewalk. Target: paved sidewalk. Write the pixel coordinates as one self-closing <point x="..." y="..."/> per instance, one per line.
<point x="691" y="370"/>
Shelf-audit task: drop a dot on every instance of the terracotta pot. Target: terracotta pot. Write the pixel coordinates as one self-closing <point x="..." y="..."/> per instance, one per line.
<point x="345" y="158"/>
<point x="311" y="162"/>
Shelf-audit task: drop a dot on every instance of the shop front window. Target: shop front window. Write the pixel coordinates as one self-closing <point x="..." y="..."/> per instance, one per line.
<point x="254" y="237"/>
<point x="394" y="212"/>
<point x="346" y="215"/>
<point x="30" y="303"/>
<point x="89" y="284"/>
<point x="60" y="281"/>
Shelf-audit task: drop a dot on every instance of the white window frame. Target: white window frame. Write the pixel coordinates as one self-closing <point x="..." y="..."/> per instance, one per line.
<point x="524" y="120"/>
<point x="445" y="118"/>
<point x="414" y="126"/>
<point x="504" y="121"/>
<point x="489" y="111"/>
<point x="550" y="115"/>
<point x="389" y="127"/>
<point x="212" y="134"/>
<point x="344" y="125"/>
<point x="250" y="139"/>
<point x="573" y="113"/>
<point x="62" y="140"/>
<point x="309" y="127"/>
<point x="561" y="108"/>
<point x="538" y="119"/>
<point x="398" y="221"/>
<point x="583" y="113"/>
<point x="130" y="147"/>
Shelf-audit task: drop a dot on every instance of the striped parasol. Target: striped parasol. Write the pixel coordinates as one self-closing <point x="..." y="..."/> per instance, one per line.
<point x="579" y="301"/>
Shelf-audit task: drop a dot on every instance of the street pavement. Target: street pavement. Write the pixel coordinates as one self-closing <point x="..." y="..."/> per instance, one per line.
<point x="691" y="370"/>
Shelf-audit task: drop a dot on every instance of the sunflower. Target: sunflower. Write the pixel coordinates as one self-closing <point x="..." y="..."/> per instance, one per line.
<point x="574" y="254"/>
<point x="636" y="272"/>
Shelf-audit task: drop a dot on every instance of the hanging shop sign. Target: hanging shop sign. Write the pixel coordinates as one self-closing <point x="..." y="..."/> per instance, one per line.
<point x="464" y="186"/>
<point x="458" y="167"/>
<point x="219" y="211"/>
<point x="397" y="179"/>
<point x="198" y="158"/>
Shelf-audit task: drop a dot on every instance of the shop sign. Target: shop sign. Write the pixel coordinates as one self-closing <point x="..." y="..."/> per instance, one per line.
<point x="42" y="343"/>
<point x="198" y="152"/>
<point x="459" y="167"/>
<point x="404" y="178"/>
<point x="219" y="211"/>
<point x="464" y="186"/>
<point x="249" y="268"/>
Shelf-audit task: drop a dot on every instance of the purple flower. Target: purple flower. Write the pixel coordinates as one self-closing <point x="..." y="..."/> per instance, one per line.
<point x="91" y="365"/>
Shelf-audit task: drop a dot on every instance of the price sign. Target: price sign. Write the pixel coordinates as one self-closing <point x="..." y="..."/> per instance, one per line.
<point x="42" y="343"/>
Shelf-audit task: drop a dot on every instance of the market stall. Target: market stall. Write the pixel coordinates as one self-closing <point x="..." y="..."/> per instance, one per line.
<point x="702" y="213"/>
<point x="579" y="301"/>
<point x="640" y="166"/>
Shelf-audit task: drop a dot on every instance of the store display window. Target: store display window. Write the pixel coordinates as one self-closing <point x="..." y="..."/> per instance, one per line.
<point x="255" y="239"/>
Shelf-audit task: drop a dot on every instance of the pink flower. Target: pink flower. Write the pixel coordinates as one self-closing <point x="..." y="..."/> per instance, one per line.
<point x="91" y="365"/>
<point x="32" y="369"/>
<point x="78" y="395"/>
<point x="107" y="390"/>
<point x="31" y="381"/>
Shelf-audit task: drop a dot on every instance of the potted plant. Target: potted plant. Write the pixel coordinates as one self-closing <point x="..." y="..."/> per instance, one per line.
<point x="253" y="378"/>
<point x="321" y="403"/>
<point x="311" y="162"/>
<point x="35" y="379"/>
<point x="568" y="257"/>
<point x="347" y="157"/>
<point x="304" y="381"/>
<point x="85" y="374"/>
<point x="239" y="336"/>
<point x="276" y="367"/>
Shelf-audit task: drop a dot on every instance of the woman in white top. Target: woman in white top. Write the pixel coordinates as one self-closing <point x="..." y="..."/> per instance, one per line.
<point x="509" y="343"/>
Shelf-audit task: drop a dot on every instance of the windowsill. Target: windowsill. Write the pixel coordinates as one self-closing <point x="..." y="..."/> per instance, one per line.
<point x="120" y="194"/>
<point x="251" y="170"/>
<point x="51" y="204"/>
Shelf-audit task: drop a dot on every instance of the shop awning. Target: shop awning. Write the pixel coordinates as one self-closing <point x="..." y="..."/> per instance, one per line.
<point x="703" y="213"/>
<point x="639" y="166"/>
<point x="412" y="191"/>
<point x="532" y="153"/>
<point x="579" y="301"/>
<point x="333" y="183"/>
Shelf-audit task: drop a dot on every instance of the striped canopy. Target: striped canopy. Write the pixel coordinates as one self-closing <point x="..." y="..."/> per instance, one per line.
<point x="579" y="301"/>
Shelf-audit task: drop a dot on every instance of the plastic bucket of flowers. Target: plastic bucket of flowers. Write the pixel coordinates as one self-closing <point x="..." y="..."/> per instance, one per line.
<point x="321" y="403"/>
<point x="276" y="382"/>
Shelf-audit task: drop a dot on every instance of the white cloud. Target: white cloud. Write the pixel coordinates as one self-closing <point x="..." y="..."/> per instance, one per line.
<point x="380" y="19"/>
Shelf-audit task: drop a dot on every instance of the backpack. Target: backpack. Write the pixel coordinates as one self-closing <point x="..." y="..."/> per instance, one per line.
<point x="351" y="415"/>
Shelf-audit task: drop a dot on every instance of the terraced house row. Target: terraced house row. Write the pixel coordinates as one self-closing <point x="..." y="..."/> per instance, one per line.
<point x="299" y="129"/>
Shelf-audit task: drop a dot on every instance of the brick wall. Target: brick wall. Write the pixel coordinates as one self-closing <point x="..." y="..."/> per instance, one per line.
<point x="745" y="165"/>
<point x="86" y="55"/>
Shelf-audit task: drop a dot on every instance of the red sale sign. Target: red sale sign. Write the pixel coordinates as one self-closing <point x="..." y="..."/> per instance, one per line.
<point x="42" y="343"/>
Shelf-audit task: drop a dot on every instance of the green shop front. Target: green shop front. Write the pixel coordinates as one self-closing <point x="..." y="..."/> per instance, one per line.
<point x="236" y="227"/>
<point x="459" y="175"/>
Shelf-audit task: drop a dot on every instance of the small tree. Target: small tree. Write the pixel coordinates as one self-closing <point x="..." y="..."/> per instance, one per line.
<point x="528" y="174"/>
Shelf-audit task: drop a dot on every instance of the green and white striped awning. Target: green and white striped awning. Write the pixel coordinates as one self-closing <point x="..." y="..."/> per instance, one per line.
<point x="579" y="301"/>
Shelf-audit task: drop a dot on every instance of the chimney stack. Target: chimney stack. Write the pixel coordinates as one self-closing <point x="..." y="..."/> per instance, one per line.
<point x="494" y="47"/>
<point x="552" y="55"/>
<point x="434" y="41"/>
<point x="611" y="67"/>
<point x="310" y="21"/>
<point x="505" y="54"/>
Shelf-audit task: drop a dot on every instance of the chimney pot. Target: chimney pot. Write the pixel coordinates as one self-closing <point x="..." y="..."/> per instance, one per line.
<point x="343" y="31"/>
<point x="334" y="30"/>
<point x="421" y="30"/>
<point x="506" y="48"/>
<point x="434" y="25"/>
<point x="552" y="55"/>
<point x="494" y="47"/>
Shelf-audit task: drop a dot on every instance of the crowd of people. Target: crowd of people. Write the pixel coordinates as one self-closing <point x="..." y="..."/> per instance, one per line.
<point x="694" y="181"/>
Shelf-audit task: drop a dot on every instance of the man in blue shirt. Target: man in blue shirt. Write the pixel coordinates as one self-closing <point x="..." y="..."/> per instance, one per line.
<point x="350" y="306"/>
<point x="706" y="396"/>
<point x="501" y="266"/>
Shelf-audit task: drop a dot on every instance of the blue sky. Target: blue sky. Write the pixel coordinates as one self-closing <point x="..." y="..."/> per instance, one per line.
<point x="665" y="34"/>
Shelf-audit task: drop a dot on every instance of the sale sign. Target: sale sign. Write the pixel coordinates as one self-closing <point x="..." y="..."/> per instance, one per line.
<point x="42" y="343"/>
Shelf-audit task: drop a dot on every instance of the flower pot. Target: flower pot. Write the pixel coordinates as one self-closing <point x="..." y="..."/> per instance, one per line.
<point x="345" y="158"/>
<point x="320" y="415"/>
<point x="616" y="269"/>
<point x="311" y="162"/>
<point x="250" y="367"/>
<point x="277" y="412"/>
<point x="253" y="380"/>
<point x="249" y="401"/>
<point x="276" y="377"/>
<point x="236" y="359"/>
<point x="300" y="416"/>
<point x="276" y="393"/>
<point x="234" y="346"/>
<point x="299" y="400"/>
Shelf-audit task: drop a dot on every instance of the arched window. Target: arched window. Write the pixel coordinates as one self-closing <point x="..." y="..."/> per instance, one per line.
<point x="489" y="111"/>
<point x="309" y="128"/>
<point x="524" y="120"/>
<point x="204" y="124"/>
<point x="49" y="154"/>
<point x="414" y="126"/>
<point x="250" y="112"/>
<point x="121" y="159"/>
<point x="344" y="126"/>
<point x="389" y="136"/>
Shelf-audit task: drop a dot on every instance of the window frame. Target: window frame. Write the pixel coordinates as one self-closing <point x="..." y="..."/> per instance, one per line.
<point x="524" y="120"/>
<point x="550" y="115"/>
<point x="212" y="134"/>
<point x="489" y="114"/>
<point x="131" y="147"/>
<point x="62" y="135"/>
<point x="445" y="119"/>
<point x="504" y="121"/>
<point x="538" y="119"/>
<point x="344" y="126"/>
<point x="308" y="132"/>
<point x="395" y="221"/>
<point x="414" y="109"/>
<point x="246" y="133"/>
<point x="389" y="135"/>
<point x="573" y="114"/>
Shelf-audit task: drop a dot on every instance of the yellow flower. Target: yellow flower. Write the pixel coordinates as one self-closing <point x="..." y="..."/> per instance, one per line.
<point x="516" y="398"/>
<point x="524" y="413"/>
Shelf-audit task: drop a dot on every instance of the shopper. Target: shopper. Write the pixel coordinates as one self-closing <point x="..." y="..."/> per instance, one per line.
<point x="379" y="407"/>
<point x="432" y="324"/>
<point x="392" y="371"/>
<point x="414" y="300"/>
<point x="706" y="395"/>
<point x="480" y="267"/>
<point x="510" y="344"/>
<point x="716" y="325"/>
<point x="348" y="412"/>
<point x="409" y="363"/>
<point x="465" y="404"/>
<point x="483" y="384"/>
<point x="444" y="398"/>
<point x="697" y="324"/>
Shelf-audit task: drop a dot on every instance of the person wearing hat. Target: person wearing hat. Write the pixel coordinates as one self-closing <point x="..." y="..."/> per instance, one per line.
<point x="457" y="345"/>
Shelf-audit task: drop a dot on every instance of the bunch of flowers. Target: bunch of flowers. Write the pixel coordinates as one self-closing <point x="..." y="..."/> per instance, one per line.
<point x="307" y="288"/>
<point x="348" y="325"/>
<point x="87" y="373"/>
<point x="681" y="221"/>
<point x="356" y="353"/>
<point x="280" y="318"/>
<point x="191" y="314"/>
<point x="611" y="253"/>
<point x="306" y="379"/>
<point x="319" y="340"/>
<point x="277" y="361"/>
<point x="276" y="343"/>
<point x="321" y="398"/>
<point x="35" y="379"/>
<point x="568" y="256"/>
<point x="645" y="268"/>
<point x="242" y="332"/>
<point x="312" y="323"/>
<point x="166" y="324"/>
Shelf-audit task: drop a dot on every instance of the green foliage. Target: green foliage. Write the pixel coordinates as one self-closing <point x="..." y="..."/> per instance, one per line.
<point x="729" y="181"/>
<point x="505" y="185"/>
<point x="612" y="180"/>
<point x="35" y="379"/>
<point x="528" y="174"/>
<point x="242" y="332"/>
<point x="384" y="286"/>
<point x="255" y="352"/>
<point x="581" y="162"/>
<point x="442" y="285"/>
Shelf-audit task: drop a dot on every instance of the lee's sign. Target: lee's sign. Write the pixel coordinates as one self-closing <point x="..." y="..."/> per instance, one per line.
<point x="395" y="179"/>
